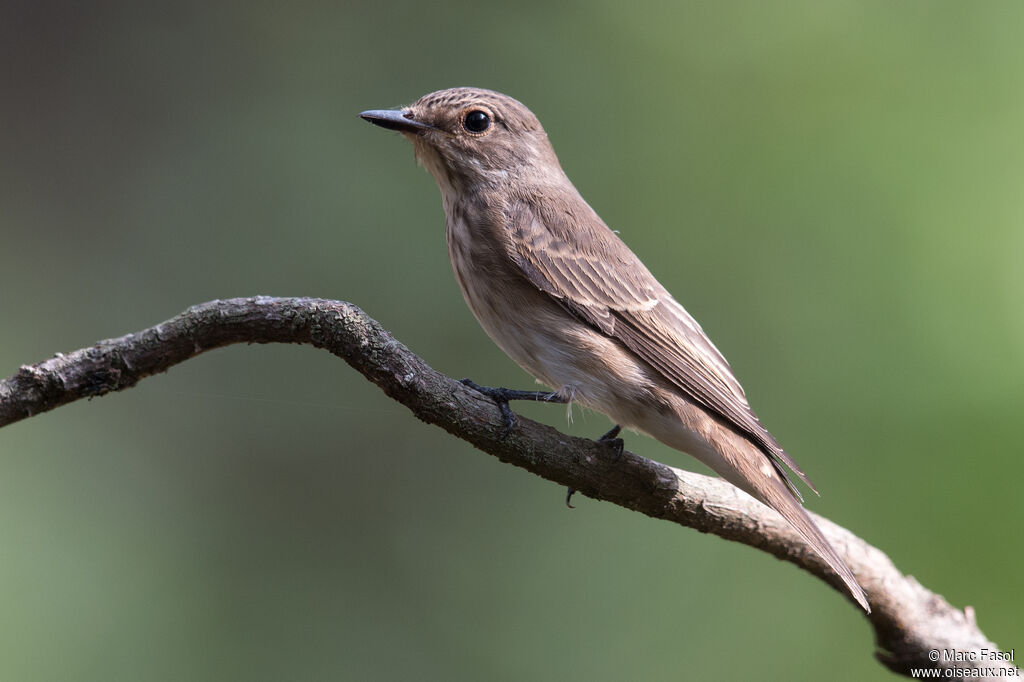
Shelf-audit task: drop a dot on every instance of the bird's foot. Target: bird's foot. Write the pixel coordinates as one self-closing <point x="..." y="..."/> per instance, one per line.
<point x="501" y="396"/>
<point x="612" y="439"/>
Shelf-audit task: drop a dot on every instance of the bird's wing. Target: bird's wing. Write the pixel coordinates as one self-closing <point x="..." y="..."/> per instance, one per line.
<point x="584" y="266"/>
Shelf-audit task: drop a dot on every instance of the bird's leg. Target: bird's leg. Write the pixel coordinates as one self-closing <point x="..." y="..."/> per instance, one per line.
<point x="501" y="396"/>
<point x="611" y="438"/>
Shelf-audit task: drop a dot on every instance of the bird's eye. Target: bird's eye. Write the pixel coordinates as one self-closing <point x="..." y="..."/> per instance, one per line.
<point x="476" y="121"/>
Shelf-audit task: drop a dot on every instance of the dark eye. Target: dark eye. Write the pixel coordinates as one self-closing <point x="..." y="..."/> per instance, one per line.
<point x="476" y="121"/>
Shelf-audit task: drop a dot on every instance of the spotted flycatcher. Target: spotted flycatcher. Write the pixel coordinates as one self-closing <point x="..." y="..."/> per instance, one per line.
<point x="565" y="298"/>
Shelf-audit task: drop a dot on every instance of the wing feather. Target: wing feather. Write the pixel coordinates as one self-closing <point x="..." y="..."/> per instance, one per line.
<point x="597" y="278"/>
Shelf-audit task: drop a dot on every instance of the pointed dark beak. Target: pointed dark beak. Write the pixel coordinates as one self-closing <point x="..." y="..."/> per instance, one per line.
<point x="394" y="119"/>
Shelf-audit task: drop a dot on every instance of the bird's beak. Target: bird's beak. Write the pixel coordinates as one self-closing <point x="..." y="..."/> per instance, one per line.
<point x="394" y="119"/>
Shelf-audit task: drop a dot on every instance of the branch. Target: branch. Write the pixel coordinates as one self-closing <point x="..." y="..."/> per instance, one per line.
<point x="909" y="621"/>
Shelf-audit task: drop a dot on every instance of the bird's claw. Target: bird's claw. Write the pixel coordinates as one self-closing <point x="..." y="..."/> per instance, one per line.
<point x="501" y="396"/>
<point x="611" y="439"/>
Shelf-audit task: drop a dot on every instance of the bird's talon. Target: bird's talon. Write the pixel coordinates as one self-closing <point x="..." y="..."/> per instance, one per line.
<point x="568" y="497"/>
<point x="611" y="438"/>
<point x="510" y="419"/>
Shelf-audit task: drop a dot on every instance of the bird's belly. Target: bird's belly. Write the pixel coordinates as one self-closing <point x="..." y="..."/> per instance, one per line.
<point x="541" y="336"/>
<point x="558" y="349"/>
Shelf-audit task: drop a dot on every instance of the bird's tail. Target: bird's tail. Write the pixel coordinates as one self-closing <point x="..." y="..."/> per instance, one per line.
<point x="776" y="496"/>
<point x="750" y="469"/>
<point x="742" y="463"/>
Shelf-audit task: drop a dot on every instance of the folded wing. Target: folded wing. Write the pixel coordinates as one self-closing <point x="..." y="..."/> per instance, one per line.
<point x="596" y="277"/>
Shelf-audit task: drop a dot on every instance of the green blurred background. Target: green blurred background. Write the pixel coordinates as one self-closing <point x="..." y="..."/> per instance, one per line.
<point x="833" y="189"/>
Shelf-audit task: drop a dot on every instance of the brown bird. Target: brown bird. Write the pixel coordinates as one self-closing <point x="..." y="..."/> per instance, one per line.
<point x="566" y="299"/>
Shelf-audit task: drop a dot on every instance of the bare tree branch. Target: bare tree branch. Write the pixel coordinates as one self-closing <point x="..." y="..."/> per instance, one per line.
<point x="910" y="622"/>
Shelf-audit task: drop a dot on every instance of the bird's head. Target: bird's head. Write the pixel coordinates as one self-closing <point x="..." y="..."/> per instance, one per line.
<point x="468" y="136"/>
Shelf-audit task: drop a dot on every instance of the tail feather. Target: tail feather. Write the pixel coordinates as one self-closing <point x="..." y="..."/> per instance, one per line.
<point x="779" y="498"/>
<point x="741" y="463"/>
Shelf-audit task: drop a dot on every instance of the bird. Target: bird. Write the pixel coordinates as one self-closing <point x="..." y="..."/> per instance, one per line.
<point x="564" y="297"/>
